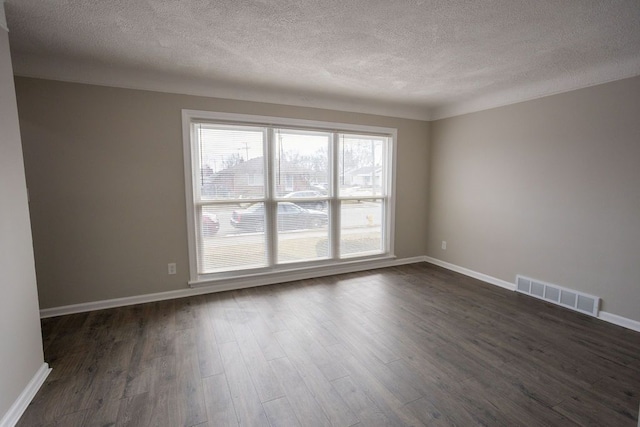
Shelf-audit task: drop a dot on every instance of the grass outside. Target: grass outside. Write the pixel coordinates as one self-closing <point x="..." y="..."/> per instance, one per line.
<point x="225" y="257"/>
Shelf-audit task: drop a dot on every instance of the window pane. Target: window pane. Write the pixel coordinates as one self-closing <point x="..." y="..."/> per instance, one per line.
<point x="231" y="238"/>
<point x="361" y="227"/>
<point x="301" y="164"/>
<point x="361" y="165"/>
<point x="231" y="163"/>
<point x="302" y="233"/>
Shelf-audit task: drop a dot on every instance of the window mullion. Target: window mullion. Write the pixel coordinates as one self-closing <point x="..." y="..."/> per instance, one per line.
<point x="198" y="216"/>
<point x="270" y="206"/>
<point x="335" y="206"/>
<point x="390" y="171"/>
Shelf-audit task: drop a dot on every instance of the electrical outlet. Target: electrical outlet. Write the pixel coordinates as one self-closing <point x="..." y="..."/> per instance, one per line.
<point x="444" y="245"/>
<point x="171" y="268"/>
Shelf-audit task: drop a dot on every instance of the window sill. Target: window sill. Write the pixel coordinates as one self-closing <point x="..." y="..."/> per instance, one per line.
<point x="288" y="274"/>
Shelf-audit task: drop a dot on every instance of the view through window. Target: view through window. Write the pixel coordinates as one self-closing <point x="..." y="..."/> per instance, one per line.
<point x="266" y="196"/>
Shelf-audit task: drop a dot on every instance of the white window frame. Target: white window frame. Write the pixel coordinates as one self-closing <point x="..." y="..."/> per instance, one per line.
<point x="288" y="271"/>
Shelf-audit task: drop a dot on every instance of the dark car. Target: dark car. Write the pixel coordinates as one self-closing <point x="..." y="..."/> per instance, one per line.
<point x="210" y="225"/>
<point x="290" y="217"/>
<point x="308" y="194"/>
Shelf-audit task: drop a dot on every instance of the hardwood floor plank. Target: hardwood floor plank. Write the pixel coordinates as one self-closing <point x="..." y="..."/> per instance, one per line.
<point x="259" y="369"/>
<point x="305" y="339"/>
<point x="246" y="402"/>
<point x="151" y="376"/>
<point x="68" y="366"/>
<point x="280" y="413"/>
<point x="365" y="409"/>
<point x="303" y="403"/>
<point x="440" y="395"/>
<point x="266" y="340"/>
<point x="353" y="334"/>
<point x="429" y="414"/>
<point x="333" y="370"/>
<point x="331" y="402"/>
<point x="190" y="395"/>
<point x="109" y="379"/>
<point x="513" y="405"/>
<point x="186" y="313"/>
<point x="220" y="409"/>
<point x="598" y="365"/>
<point x="48" y="405"/>
<point x="135" y="410"/>
<point x="66" y="337"/>
<point x="617" y="392"/>
<point x="127" y="324"/>
<point x="588" y="412"/>
<point x="366" y="364"/>
<point x="376" y="390"/>
<point x="216" y="311"/>
<point x="75" y="419"/>
<point x="321" y="333"/>
<point x="166" y="410"/>
<point x="261" y="298"/>
<point x="105" y="414"/>
<point x="535" y="384"/>
<point x="158" y="331"/>
<point x="209" y="360"/>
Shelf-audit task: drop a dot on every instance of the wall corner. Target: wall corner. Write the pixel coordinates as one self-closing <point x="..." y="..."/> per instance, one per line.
<point x="3" y="17"/>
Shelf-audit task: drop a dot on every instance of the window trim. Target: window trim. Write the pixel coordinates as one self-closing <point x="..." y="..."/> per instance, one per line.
<point x="190" y="159"/>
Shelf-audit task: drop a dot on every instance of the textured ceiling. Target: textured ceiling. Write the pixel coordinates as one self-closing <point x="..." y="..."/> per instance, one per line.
<point x="411" y="58"/>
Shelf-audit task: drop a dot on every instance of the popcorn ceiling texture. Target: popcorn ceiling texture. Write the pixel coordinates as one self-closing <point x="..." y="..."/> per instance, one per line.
<point x="429" y="56"/>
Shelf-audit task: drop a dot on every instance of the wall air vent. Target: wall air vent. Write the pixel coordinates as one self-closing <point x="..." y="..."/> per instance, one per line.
<point x="578" y="301"/>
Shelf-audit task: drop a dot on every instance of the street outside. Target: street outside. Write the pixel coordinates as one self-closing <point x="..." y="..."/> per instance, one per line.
<point x="360" y="232"/>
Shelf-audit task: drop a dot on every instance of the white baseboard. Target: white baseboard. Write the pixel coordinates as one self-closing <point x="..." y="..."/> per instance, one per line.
<point x="619" y="320"/>
<point x="221" y="287"/>
<point x="471" y="273"/>
<point x="11" y="418"/>
<point x="603" y="315"/>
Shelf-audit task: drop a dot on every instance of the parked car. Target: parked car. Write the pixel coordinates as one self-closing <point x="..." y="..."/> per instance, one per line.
<point x="321" y="187"/>
<point x="290" y="217"/>
<point x="310" y="194"/>
<point x="210" y="224"/>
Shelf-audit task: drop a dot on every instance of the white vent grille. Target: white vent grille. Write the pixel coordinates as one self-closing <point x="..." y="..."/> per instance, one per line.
<point x="569" y="298"/>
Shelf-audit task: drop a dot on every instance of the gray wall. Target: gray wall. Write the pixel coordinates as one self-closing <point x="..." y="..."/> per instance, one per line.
<point x="21" y="349"/>
<point x="548" y="188"/>
<point x="105" y="174"/>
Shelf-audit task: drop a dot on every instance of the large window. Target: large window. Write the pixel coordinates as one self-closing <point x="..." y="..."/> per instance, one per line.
<point x="273" y="194"/>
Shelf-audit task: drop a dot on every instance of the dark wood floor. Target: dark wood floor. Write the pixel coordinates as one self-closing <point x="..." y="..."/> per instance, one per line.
<point x="411" y="345"/>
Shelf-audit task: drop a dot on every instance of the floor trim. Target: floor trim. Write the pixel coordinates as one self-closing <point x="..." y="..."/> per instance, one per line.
<point x="471" y="273"/>
<point x="620" y="321"/>
<point x="201" y="290"/>
<point x="14" y="413"/>
<point x="625" y="322"/>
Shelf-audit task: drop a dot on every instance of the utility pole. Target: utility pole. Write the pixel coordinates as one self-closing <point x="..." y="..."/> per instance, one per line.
<point x="246" y="147"/>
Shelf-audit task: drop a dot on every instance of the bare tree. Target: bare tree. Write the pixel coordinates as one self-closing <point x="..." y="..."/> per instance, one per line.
<point x="232" y="160"/>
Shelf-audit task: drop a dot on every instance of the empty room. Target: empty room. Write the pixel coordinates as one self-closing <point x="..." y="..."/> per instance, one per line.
<point x="304" y="213"/>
